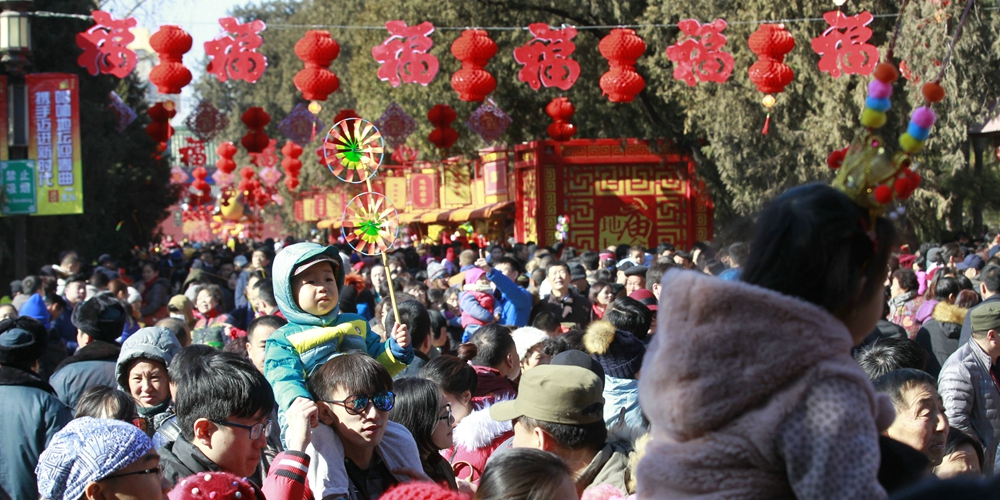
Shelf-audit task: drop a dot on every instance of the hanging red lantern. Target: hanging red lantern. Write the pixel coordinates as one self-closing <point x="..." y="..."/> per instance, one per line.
<point x="344" y="115"/>
<point x="442" y="116"/>
<point x="622" y="48"/>
<point x="255" y="118"/>
<point x="170" y="44"/>
<point x="317" y="50"/>
<point x="561" y="110"/>
<point x="291" y="164"/>
<point x="771" y="42"/>
<point x="226" y="152"/>
<point x="474" y="49"/>
<point x="159" y="128"/>
<point x="201" y="191"/>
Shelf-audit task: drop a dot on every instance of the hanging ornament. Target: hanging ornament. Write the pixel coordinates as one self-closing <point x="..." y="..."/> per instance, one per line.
<point x="622" y="48"/>
<point x="474" y="49"/>
<point x="561" y="110"/>
<point x="268" y="157"/>
<point x="301" y="125"/>
<point x="317" y="50"/>
<point x="442" y="116"/>
<point x="200" y="191"/>
<point x="105" y="46"/>
<point x="291" y="164"/>
<point x="546" y="58"/>
<point x="126" y="115"/>
<point x="222" y="179"/>
<point x="770" y="74"/>
<point x="395" y="125"/>
<point x="489" y="121"/>
<point x="255" y="140"/>
<point x="159" y="128"/>
<point x="206" y="121"/>
<point x="269" y="176"/>
<point x="843" y="47"/>
<point x="234" y="53"/>
<point x="178" y="176"/>
<point x="405" y="56"/>
<point x="344" y="114"/>
<point x="170" y="44"/>
<point x="699" y="54"/>
<point x="226" y="151"/>
<point x="193" y="153"/>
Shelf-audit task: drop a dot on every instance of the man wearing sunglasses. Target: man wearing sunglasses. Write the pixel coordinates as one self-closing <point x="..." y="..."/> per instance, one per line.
<point x="224" y="413"/>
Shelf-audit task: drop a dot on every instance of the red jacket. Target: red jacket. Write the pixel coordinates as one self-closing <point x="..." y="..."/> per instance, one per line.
<point x="287" y="478"/>
<point x="492" y="385"/>
<point x="476" y="437"/>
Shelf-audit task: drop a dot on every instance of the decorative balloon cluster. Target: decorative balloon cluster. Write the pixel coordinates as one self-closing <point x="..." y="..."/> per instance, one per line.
<point x="562" y="228"/>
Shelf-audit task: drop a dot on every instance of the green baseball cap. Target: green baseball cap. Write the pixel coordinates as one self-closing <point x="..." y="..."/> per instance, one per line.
<point x="986" y="317"/>
<point x="560" y="394"/>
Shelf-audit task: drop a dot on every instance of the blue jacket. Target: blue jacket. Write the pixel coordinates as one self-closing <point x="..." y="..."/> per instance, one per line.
<point x="622" y="393"/>
<point x="295" y="350"/>
<point x="64" y="324"/>
<point x="514" y="302"/>
<point x="34" y="307"/>
<point x="93" y="364"/>
<point x="32" y="415"/>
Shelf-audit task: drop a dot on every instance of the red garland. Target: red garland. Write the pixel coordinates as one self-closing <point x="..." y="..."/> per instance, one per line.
<point x="622" y="48"/>
<point x="442" y="116"/>
<point x="291" y="164"/>
<point x="255" y="118"/>
<point x="317" y="50"/>
<point x="561" y="110"/>
<point x="771" y="42"/>
<point x="474" y="49"/>
<point x="170" y="44"/>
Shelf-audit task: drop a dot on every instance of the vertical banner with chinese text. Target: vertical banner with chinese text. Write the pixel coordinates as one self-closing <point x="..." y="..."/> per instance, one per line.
<point x="54" y="142"/>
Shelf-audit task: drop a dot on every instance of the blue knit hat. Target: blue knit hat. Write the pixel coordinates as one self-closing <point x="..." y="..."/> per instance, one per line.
<point x="86" y="450"/>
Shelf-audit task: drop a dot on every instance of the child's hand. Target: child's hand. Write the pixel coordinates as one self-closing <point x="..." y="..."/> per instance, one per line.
<point x="302" y="416"/>
<point x="481" y="262"/>
<point x="401" y="335"/>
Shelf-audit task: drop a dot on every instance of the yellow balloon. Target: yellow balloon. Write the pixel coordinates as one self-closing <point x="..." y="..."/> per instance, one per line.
<point x="234" y="211"/>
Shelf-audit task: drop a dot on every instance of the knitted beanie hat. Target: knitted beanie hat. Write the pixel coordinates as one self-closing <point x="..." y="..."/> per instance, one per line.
<point x="420" y="491"/>
<point x="213" y="486"/>
<point x="87" y="449"/>
<point x="619" y="352"/>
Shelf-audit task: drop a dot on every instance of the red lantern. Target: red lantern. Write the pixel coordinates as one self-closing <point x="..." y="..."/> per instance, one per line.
<point x="170" y="44"/>
<point x="291" y="164"/>
<point x="344" y="114"/>
<point x="442" y="116"/>
<point x="561" y="110"/>
<point x="622" y="48"/>
<point x="201" y="192"/>
<point x="255" y="118"/>
<point x="474" y="49"/>
<point x="226" y="152"/>
<point x="317" y="50"/>
<point x="771" y="42"/>
<point x="159" y="128"/>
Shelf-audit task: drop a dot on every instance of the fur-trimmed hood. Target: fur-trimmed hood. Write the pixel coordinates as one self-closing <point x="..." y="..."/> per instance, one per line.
<point x="949" y="313"/>
<point x="478" y="429"/>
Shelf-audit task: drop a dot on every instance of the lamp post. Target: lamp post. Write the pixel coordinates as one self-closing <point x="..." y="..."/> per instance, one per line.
<point x="15" y="50"/>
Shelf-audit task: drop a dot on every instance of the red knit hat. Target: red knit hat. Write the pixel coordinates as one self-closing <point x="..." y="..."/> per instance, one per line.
<point x="213" y="486"/>
<point x="420" y="491"/>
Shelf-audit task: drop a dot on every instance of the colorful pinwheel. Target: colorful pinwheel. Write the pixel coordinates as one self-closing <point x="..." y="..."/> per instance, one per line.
<point x="353" y="150"/>
<point x="370" y="223"/>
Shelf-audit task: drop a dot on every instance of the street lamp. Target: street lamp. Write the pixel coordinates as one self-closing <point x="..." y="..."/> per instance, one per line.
<point x="15" y="36"/>
<point x="15" y="49"/>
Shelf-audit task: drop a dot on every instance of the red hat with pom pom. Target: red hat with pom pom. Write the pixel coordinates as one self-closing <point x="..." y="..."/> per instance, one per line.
<point x="421" y="491"/>
<point x="214" y="486"/>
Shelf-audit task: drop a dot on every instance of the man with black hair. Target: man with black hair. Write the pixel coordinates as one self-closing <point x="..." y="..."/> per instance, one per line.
<point x="654" y="275"/>
<point x="738" y="253"/>
<point x="968" y="384"/>
<point x="266" y="303"/>
<point x="414" y="315"/>
<point x="989" y="289"/>
<point x="32" y="413"/>
<point x="224" y="413"/>
<point x="920" y="420"/>
<point x="571" y="309"/>
<point x="258" y="332"/>
<point x="74" y="292"/>
<point x="99" y="321"/>
<point x="888" y="354"/>
<point x="560" y="409"/>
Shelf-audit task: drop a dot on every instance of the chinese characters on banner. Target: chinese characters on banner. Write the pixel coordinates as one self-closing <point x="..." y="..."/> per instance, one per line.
<point x="234" y="52"/>
<point x="18" y="180"/>
<point x="424" y="189"/>
<point x="54" y="142"/>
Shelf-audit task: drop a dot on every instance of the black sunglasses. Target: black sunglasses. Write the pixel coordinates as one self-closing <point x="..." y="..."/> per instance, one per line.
<point x="358" y="404"/>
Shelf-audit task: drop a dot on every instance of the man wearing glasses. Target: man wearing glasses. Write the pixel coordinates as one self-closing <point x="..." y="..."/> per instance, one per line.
<point x="223" y="410"/>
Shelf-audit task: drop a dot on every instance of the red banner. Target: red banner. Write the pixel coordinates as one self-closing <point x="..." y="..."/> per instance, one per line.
<point x="321" y="211"/>
<point x="54" y="142"/>
<point x="424" y="191"/>
<point x="300" y="214"/>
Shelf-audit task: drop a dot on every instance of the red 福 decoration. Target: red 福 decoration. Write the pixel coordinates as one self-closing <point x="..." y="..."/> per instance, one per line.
<point x="843" y="46"/>
<point x="234" y="53"/>
<point x="561" y="110"/>
<point x="170" y="44"/>
<point x="405" y="56"/>
<point x="255" y="118"/>
<point x="770" y="73"/>
<point x="317" y="50"/>
<point x="699" y="54"/>
<point x="159" y="128"/>
<point x="105" y="45"/>
<point x="291" y="164"/>
<point x="474" y="49"/>
<point x="442" y="116"/>
<point x="622" y="48"/>
<point x="226" y="152"/>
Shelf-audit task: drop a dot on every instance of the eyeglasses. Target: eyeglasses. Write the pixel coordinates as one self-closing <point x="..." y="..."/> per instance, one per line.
<point x="358" y="404"/>
<point x="157" y="470"/>
<point x="447" y="417"/>
<point x="255" y="430"/>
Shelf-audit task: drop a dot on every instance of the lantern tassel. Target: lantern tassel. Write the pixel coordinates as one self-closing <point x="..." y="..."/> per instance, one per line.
<point x="767" y="122"/>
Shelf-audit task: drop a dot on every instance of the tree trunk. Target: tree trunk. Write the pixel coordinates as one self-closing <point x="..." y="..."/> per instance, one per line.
<point x="977" y="202"/>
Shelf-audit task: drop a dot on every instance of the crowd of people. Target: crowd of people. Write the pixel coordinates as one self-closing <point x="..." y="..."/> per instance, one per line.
<point x="822" y="359"/>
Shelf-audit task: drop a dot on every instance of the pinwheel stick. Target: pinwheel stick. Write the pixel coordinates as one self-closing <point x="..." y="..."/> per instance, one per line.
<point x="385" y="262"/>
